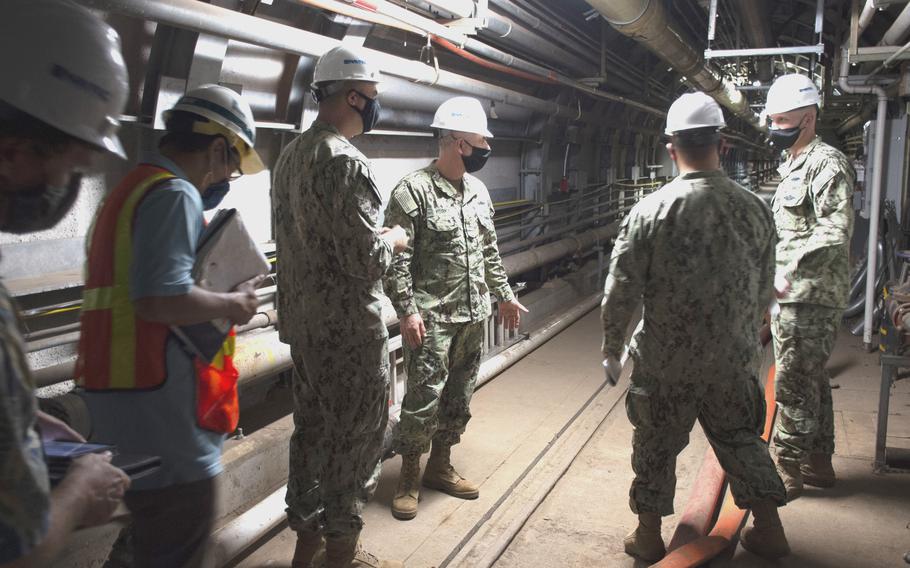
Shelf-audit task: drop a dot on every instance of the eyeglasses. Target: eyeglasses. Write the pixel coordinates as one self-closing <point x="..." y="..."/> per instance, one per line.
<point x="233" y="161"/>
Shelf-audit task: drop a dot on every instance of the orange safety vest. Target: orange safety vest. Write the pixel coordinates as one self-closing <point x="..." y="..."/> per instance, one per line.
<point x="120" y="351"/>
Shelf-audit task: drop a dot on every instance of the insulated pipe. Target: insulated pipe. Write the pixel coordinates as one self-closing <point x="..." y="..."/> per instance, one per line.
<point x="553" y="28"/>
<point x="542" y="73"/>
<point x="460" y="8"/>
<point x="877" y="165"/>
<point x="506" y="30"/>
<point x="522" y="262"/>
<point x="855" y="120"/>
<point x="758" y="29"/>
<point x="865" y="17"/>
<point x="248" y="528"/>
<point x="222" y="22"/>
<point x="899" y="30"/>
<point x="646" y="21"/>
<point x="262" y="354"/>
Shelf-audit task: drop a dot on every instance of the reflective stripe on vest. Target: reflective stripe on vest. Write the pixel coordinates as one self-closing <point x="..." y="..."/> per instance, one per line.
<point x="112" y="335"/>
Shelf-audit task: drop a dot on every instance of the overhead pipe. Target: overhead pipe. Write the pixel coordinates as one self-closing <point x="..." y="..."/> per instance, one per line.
<point x="502" y="62"/>
<point x="899" y="30"/>
<point x="542" y="74"/>
<point x="508" y="31"/>
<point x="460" y="8"/>
<point x="646" y="21"/>
<point x="547" y="27"/>
<point x="855" y="120"/>
<point x="572" y="38"/>
<point x="865" y="17"/>
<point x="877" y="165"/>
<point x="207" y="18"/>
<point x="754" y="14"/>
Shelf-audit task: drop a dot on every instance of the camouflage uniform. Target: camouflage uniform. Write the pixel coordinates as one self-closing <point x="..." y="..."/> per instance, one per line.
<point x="24" y="486"/>
<point x="330" y="263"/>
<point x="447" y="274"/>
<point x="813" y="212"/>
<point x="696" y="350"/>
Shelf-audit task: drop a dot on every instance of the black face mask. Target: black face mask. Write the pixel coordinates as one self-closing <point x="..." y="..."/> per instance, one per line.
<point x="784" y="138"/>
<point x="214" y="194"/>
<point x="477" y="159"/>
<point x="38" y="208"/>
<point x="370" y="113"/>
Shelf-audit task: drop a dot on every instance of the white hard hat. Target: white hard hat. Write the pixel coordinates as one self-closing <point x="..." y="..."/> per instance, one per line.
<point x="345" y="63"/>
<point x="230" y="116"/>
<point x="62" y="65"/>
<point x="694" y="110"/>
<point x="462" y="114"/>
<point x="790" y="92"/>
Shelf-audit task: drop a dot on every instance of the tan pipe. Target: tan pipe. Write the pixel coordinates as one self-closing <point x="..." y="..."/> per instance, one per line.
<point x="757" y="26"/>
<point x="646" y="21"/>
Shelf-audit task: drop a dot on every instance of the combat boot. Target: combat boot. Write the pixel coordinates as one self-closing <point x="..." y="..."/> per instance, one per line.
<point x="404" y="506"/>
<point x="440" y="475"/>
<point x="766" y="536"/>
<point x="790" y="474"/>
<point x="346" y="552"/>
<point x="645" y="541"/>
<point x="309" y="546"/>
<point x="818" y="472"/>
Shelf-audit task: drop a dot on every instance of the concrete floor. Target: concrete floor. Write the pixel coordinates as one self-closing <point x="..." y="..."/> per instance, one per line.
<point x="863" y="522"/>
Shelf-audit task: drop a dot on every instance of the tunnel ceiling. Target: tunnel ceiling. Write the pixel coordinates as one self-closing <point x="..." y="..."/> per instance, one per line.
<point x="572" y="40"/>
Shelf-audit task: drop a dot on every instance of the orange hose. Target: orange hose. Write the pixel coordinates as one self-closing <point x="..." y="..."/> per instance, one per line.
<point x="704" y="499"/>
<point x="492" y="64"/>
<point x="731" y="517"/>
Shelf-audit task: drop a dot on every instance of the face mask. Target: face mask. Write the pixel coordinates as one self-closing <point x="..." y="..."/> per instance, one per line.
<point x="784" y="138"/>
<point x="38" y="208"/>
<point x="370" y="113"/>
<point x="477" y="159"/>
<point x="214" y="194"/>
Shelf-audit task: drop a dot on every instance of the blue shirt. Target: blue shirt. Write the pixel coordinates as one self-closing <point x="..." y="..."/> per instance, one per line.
<point x="24" y="487"/>
<point x="162" y="422"/>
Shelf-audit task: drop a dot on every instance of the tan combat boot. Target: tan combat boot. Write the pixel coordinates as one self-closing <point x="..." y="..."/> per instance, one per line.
<point x="404" y="506"/>
<point x="766" y="536"/>
<point x="346" y="552"/>
<point x="790" y="474"/>
<point x="440" y="475"/>
<point x="309" y="544"/>
<point x="818" y="472"/>
<point x="645" y="541"/>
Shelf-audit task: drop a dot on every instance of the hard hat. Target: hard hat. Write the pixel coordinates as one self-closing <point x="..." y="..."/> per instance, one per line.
<point x="462" y="114"/>
<point x="694" y="110"/>
<point x="345" y="63"/>
<point x="790" y="92"/>
<point x="229" y="115"/>
<point x="62" y="65"/>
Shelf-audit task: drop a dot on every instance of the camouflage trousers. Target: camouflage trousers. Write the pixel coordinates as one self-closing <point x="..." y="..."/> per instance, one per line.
<point x="341" y="407"/>
<point x="732" y="415"/>
<point x="442" y="373"/>
<point x="804" y="336"/>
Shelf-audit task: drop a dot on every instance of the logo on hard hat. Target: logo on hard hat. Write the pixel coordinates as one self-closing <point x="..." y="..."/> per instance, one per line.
<point x="65" y="74"/>
<point x="355" y="61"/>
